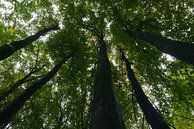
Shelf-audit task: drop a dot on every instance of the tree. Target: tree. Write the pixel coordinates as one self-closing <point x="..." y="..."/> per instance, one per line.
<point x="7" y="113"/>
<point x="105" y="112"/>
<point x="19" y="83"/>
<point x="153" y="117"/>
<point x="180" y="50"/>
<point x="8" y="49"/>
<point x="70" y="99"/>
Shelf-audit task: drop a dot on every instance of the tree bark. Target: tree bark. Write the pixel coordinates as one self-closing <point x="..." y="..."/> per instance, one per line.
<point x="105" y="113"/>
<point x="181" y="50"/>
<point x="18" y="83"/>
<point x="151" y="114"/>
<point x="11" y="109"/>
<point x="8" y="49"/>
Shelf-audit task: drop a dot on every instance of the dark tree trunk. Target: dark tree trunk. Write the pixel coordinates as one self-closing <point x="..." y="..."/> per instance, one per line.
<point x="151" y="114"/>
<point x="18" y="83"/>
<point x="8" y="49"/>
<point x="105" y="112"/>
<point x="181" y="50"/>
<point x="15" y="105"/>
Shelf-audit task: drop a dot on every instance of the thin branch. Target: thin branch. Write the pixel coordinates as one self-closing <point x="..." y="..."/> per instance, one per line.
<point x="143" y="120"/>
<point x="172" y="126"/>
<point x="134" y="111"/>
<point x="19" y="83"/>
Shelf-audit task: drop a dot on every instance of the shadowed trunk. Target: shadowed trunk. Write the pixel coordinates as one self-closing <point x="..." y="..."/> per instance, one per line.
<point x="15" y="105"/>
<point x="151" y="114"/>
<point x="181" y="50"/>
<point x="8" y="49"/>
<point x="18" y="83"/>
<point x="105" y="112"/>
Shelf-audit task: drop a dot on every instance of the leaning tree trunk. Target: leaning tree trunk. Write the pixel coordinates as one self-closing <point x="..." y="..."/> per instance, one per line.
<point x="151" y="114"/>
<point x="181" y="50"/>
<point x="18" y="83"/>
<point x="105" y="112"/>
<point x="8" y="49"/>
<point x="11" y="109"/>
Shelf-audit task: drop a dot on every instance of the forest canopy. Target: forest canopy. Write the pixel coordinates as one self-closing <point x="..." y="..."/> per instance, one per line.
<point x="103" y="64"/>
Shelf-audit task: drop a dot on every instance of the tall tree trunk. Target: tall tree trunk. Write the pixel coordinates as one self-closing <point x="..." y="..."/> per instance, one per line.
<point x="15" y="105"/>
<point x="18" y="83"/>
<point x="181" y="50"/>
<point x="105" y="112"/>
<point x="8" y="49"/>
<point x="151" y="114"/>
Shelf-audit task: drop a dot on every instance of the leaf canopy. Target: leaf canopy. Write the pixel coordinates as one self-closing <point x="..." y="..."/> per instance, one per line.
<point x="65" y="101"/>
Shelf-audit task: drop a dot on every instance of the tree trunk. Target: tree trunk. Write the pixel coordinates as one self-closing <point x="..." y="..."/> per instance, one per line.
<point x="105" y="112"/>
<point x="151" y="114"/>
<point x="181" y="50"/>
<point x="8" y="49"/>
<point x="18" y="83"/>
<point x="15" y="105"/>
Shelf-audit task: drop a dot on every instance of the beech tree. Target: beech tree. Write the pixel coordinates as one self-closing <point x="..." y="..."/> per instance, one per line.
<point x="153" y="117"/>
<point x="8" y="49"/>
<point x="19" y="83"/>
<point x="105" y="112"/>
<point x="13" y="107"/>
<point x="92" y="89"/>
<point x="180" y="50"/>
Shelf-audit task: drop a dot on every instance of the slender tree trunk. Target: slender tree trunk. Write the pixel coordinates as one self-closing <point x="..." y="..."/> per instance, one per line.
<point x="15" y="105"/>
<point x="151" y="114"/>
<point x="8" y="49"/>
<point x="105" y="113"/>
<point x="18" y="83"/>
<point x="181" y="50"/>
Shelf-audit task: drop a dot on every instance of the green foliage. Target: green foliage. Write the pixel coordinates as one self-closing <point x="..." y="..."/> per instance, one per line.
<point x="64" y="102"/>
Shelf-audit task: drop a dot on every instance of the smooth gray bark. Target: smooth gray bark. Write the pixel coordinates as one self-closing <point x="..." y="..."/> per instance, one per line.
<point x="11" y="109"/>
<point x="8" y="49"/>
<point x="18" y="83"/>
<point x="181" y="50"/>
<point x="105" y="112"/>
<point x="151" y="114"/>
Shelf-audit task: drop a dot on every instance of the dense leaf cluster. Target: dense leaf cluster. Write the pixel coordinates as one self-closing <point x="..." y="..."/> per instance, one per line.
<point x="65" y="101"/>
